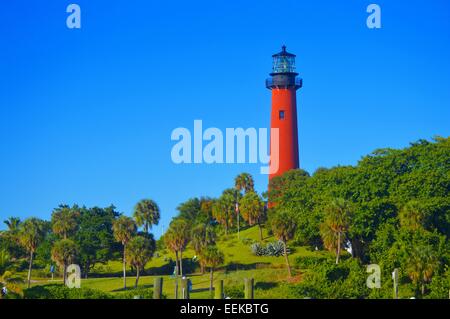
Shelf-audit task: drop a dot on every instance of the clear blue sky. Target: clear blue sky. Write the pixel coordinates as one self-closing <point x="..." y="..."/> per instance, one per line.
<point x="86" y="115"/>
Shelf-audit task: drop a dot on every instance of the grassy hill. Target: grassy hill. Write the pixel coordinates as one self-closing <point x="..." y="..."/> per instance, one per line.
<point x="270" y="273"/>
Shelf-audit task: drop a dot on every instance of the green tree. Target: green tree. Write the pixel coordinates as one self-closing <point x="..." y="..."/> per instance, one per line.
<point x="13" y="224"/>
<point x="212" y="257"/>
<point x="124" y="228"/>
<point x="95" y="236"/>
<point x="146" y="213"/>
<point x="201" y="237"/>
<point x="196" y="210"/>
<point x="31" y="234"/>
<point x="139" y="252"/>
<point x="5" y="260"/>
<point x="336" y="224"/>
<point x="252" y="209"/>
<point x="421" y="265"/>
<point x="283" y="227"/>
<point x="170" y="241"/>
<point x="64" y="220"/>
<point x="412" y="216"/>
<point x="176" y="239"/>
<point x="244" y="182"/>
<point x="9" y="239"/>
<point x="64" y="252"/>
<point x="224" y="209"/>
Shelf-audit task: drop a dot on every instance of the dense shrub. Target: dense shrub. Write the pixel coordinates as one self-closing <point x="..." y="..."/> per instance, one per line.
<point x="140" y="293"/>
<point x="331" y="281"/>
<point x="310" y="261"/>
<point x="234" y="292"/>
<point x="440" y="286"/>
<point x="63" y="292"/>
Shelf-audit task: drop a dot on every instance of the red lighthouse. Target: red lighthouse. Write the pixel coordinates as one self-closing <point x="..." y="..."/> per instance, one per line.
<point x="284" y="83"/>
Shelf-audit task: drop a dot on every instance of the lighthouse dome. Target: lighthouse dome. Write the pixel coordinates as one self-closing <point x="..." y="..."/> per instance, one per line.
<point x="283" y="62"/>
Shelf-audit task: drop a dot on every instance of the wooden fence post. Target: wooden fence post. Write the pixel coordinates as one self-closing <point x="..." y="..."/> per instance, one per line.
<point x="218" y="291"/>
<point x="249" y="292"/>
<point x="157" y="288"/>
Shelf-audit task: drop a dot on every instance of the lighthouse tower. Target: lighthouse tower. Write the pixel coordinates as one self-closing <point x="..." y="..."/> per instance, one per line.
<point x="284" y="83"/>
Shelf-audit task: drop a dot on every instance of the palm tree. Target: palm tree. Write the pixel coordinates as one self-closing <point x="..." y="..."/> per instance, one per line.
<point x="244" y="182"/>
<point x="11" y="234"/>
<point x="336" y="224"/>
<point x="421" y="265"/>
<point x="224" y="208"/>
<point x="124" y="229"/>
<point x="64" y="252"/>
<point x="176" y="238"/>
<point x="64" y="220"/>
<point x="329" y="237"/>
<point x="252" y="209"/>
<point x="31" y="234"/>
<point x="5" y="259"/>
<point x="146" y="213"/>
<point x="171" y="243"/>
<point x="283" y="227"/>
<point x="213" y="257"/>
<point x="13" y="224"/>
<point x="139" y="252"/>
<point x="201" y="237"/>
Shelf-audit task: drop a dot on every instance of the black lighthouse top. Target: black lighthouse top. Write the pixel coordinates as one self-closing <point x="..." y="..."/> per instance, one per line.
<point x="283" y="71"/>
<point x="283" y="62"/>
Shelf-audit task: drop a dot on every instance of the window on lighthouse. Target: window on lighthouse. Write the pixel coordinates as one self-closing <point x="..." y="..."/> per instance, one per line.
<point x="281" y="115"/>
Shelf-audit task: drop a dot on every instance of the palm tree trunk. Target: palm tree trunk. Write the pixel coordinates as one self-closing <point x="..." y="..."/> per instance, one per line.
<point x="260" y="232"/>
<point x="181" y="263"/>
<point x="64" y="274"/>
<point x="211" y="279"/>
<point x="137" y="278"/>
<point x="124" y="268"/>
<point x="423" y="289"/>
<point x="338" y="252"/>
<point x="177" y="267"/>
<point x="29" y="269"/>
<point x="287" y="259"/>
<point x="238" y="223"/>
<point x="176" y="287"/>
